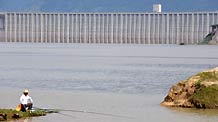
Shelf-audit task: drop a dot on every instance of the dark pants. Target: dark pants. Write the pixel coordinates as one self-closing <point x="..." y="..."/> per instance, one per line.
<point x="25" y="107"/>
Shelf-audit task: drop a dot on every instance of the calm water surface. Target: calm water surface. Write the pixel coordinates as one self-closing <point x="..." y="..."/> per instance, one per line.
<point x="147" y="71"/>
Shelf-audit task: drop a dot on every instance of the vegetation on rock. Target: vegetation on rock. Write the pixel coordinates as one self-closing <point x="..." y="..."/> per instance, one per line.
<point x="200" y="91"/>
<point x="208" y="76"/>
<point x="206" y="97"/>
<point x="9" y="114"/>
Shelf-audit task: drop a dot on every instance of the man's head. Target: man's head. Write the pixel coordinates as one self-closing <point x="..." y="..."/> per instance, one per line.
<point x="25" y="92"/>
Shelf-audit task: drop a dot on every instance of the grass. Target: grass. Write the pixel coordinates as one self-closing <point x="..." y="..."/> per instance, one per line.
<point x="11" y="113"/>
<point x="207" y="76"/>
<point x="206" y="97"/>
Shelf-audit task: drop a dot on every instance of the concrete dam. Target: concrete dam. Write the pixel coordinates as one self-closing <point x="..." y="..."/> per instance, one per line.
<point x="106" y="28"/>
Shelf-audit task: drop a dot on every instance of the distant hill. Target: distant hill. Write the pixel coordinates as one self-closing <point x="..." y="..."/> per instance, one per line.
<point x="106" y="5"/>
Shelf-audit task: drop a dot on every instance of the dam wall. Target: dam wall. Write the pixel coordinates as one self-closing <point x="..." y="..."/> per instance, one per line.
<point x="112" y="28"/>
<point x="2" y="29"/>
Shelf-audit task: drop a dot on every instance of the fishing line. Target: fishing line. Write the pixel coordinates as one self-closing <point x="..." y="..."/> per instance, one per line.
<point x="67" y="115"/>
<point x="88" y="112"/>
<point x="54" y="111"/>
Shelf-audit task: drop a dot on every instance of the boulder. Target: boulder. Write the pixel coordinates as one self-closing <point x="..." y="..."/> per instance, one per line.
<point x="214" y="40"/>
<point x="199" y="91"/>
<point x="3" y="117"/>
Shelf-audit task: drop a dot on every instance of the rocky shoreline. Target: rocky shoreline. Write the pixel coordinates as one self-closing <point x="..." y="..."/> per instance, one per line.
<point x="198" y="91"/>
<point x="10" y="114"/>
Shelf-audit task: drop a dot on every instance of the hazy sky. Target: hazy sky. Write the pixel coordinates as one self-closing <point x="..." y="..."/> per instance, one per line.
<point x="106" y="5"/>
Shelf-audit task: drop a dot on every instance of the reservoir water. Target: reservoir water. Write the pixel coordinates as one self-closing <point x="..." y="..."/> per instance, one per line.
<point x="128" y="80"/>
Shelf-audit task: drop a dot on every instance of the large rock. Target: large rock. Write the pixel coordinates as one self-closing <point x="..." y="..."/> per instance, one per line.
<point x="214" y="40"/>
<point x="3" y="117"/>
<point x="200" y="91"/>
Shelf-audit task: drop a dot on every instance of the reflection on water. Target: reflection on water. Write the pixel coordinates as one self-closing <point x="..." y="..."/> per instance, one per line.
<point x="199" y="112"/>
<point x="24" y="120"/>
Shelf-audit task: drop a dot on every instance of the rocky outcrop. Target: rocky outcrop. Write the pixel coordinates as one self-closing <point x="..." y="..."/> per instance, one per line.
<point x="214" y="40"/>
<point x="3" y="117"/>
<point x="211" y="38"/>
<point x="10" y="114"/>
<point x="200" y="91"/>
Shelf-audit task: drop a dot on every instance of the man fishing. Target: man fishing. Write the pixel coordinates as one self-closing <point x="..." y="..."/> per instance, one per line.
<point x="26" y="101"/>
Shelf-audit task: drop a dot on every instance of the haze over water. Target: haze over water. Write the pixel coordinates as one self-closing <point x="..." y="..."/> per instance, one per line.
<point x="137" y="71"/>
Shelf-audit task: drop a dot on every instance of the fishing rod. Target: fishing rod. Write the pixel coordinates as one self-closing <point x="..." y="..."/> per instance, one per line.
<point x="83" y="111"/>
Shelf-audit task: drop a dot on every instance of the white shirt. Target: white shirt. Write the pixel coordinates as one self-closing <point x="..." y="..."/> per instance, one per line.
<point x="25" y="99"/>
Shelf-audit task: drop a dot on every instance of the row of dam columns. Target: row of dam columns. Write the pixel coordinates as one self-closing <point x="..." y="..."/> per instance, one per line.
<point x="108" y="28"/>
